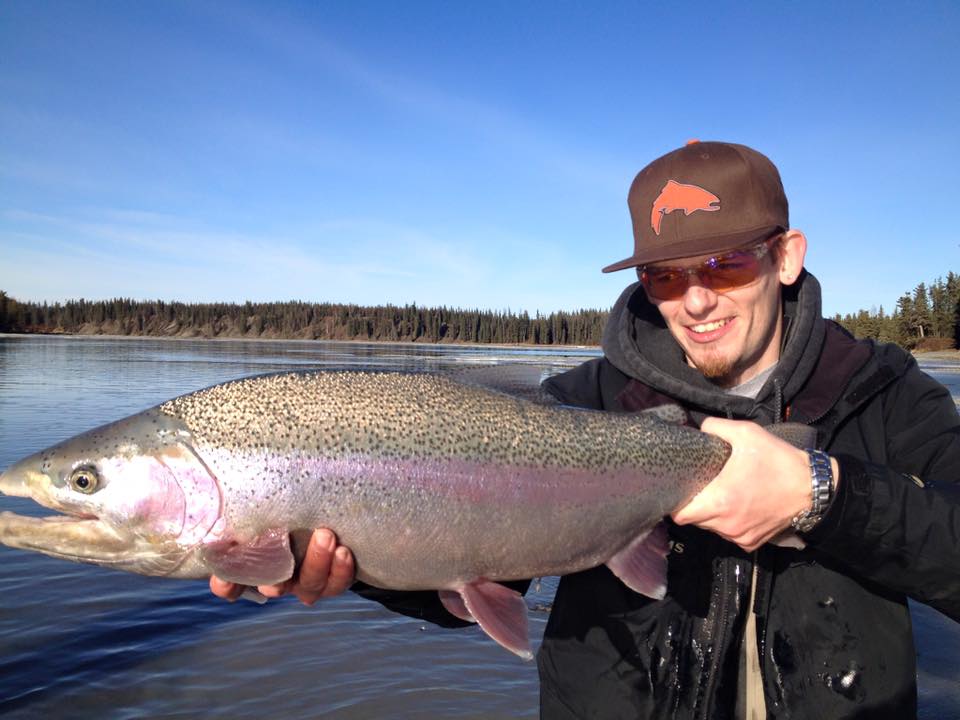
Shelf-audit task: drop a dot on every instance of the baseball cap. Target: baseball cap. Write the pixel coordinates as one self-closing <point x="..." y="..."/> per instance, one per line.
<point x="705" y="197"/>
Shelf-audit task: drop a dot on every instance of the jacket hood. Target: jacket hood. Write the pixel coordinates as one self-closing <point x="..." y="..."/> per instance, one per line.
<point x="637" y="342"/>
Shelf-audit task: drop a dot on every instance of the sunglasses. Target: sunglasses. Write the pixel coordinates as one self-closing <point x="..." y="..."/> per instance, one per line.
<point x="720" y="273"/>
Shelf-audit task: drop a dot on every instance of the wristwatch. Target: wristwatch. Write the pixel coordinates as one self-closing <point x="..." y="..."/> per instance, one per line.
<point x="821" y="482"/>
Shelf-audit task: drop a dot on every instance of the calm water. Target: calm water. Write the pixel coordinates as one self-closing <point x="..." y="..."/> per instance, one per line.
<point x="78" y="641"/>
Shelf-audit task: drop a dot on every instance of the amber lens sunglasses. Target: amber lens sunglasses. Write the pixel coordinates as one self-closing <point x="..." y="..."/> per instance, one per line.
<point x="720" y="273"/>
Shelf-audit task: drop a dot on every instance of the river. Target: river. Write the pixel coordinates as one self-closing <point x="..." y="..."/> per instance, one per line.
<point x="80" y="641"/>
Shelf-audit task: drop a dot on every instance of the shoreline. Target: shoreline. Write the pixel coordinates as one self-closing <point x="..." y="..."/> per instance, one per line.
<point x="937" y="354"/>
<point x="926" y="354"/>
<point x="201" y="338"/>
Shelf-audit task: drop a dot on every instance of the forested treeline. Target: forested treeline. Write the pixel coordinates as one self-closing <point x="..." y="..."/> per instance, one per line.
<point x="312" y="321"/>
<point x="926" y="319"/>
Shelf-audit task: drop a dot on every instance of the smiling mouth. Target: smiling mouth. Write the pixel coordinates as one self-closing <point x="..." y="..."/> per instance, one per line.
<point x="710" y="326"/>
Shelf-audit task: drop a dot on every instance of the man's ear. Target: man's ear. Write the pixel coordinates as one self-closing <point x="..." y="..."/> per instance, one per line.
<point x="793" y="249"/>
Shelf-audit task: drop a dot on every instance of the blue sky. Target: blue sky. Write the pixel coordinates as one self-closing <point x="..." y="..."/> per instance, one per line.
<point x="468" y="154"/>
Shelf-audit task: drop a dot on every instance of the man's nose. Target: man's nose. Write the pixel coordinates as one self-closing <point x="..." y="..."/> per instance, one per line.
<point x="698" y="300"/>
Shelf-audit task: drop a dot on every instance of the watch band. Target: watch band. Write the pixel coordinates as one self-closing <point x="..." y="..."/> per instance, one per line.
<point x="821" y="486"/>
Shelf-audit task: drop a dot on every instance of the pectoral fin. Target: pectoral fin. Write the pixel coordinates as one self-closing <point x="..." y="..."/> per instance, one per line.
<point x="642" y="565"/>
<point x="453" y="602"/>
<point x="265" y="560"/>
<point x="500" y="611"/>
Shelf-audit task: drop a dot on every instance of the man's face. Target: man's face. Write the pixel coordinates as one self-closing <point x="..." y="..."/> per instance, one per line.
<point x="732" y="336"/>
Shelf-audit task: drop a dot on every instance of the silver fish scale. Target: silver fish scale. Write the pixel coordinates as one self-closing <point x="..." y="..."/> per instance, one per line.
<point x="405" y="466"/>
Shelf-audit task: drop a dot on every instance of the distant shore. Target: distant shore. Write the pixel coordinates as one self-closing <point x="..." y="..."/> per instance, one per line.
<point x="927" y="354"/>
<point x="295" y="320"/>
<point x="240" y="338"/>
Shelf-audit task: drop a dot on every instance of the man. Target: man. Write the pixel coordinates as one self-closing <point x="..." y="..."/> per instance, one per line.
<point x="726" y="322"/>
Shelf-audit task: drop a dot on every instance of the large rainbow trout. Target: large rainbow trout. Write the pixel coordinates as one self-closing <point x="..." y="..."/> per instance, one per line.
<point x="433" y="481"/>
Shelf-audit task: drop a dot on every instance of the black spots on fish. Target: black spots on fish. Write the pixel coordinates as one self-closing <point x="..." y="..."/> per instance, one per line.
<point x="419" y="416"/>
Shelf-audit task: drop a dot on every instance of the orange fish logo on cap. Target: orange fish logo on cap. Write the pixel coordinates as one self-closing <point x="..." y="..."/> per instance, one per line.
<point x="677" y="196"/>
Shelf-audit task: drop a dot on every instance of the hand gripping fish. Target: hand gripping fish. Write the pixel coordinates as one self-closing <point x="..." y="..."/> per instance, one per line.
<point x="433" y="481"/>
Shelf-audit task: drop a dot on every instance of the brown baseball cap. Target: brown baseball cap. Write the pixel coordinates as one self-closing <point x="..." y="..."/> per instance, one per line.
<point x="705" y="197"/>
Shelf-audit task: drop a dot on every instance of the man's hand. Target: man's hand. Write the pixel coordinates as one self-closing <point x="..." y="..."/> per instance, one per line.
<point x="327" y="570"/>
<point x="763" y="486"/>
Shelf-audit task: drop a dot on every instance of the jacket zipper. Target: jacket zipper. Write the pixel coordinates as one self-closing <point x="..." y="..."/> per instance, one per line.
<point x="718" y="634"/>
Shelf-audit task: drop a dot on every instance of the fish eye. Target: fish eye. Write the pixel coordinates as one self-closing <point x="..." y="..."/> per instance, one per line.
<point x="84" y="480"/>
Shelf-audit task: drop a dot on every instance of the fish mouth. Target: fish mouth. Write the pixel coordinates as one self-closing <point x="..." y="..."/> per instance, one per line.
<point x="75" y="535"/>
<point x="58" y="535"/>
<point x="24" y="480"/>
<point x="71" y="537"/>
<point x="88" y="540"/>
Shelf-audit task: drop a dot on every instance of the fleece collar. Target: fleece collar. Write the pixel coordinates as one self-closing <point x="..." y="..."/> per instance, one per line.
<point x="637" y="342"/>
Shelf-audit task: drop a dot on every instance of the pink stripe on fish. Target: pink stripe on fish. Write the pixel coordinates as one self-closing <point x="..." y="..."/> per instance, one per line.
<point x="469" y="481"/>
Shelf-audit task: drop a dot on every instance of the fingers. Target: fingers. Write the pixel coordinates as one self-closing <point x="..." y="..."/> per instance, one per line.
<point x="735" y="432"/>
<point x="275" y="591"/>
<point x="763" y="485"/>
<point x="226" y="590"/>
<point x="327" y="569"/>
<point x="315" y="569"/>
<point x="342" y="572"/>
<point x="713" y="500"/>
<point x="721" y="427"/>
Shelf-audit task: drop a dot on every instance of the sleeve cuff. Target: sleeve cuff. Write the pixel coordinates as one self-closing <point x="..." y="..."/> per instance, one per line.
<point x="849" y="512"/>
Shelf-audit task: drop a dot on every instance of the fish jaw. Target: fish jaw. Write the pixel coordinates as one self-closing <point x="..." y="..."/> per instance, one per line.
<point x="85" y="540"/>
<point x="88" y="540"/>
<point x="154" y="504"/>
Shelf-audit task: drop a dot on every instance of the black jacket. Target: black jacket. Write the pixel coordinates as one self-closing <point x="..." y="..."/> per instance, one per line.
<point x="833" y="627"/>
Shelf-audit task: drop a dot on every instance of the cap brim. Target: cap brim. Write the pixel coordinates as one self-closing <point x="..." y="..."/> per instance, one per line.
<point x="692" y="248"/>
<point x="623" y="264"/>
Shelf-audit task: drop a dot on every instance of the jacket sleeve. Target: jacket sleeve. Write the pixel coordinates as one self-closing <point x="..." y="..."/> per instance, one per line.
<point x="422" y="604"/>
<point x="898" y="523"/>
<point x="595" y="384"/>
<point x="579" y="386"/>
